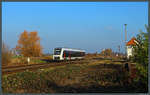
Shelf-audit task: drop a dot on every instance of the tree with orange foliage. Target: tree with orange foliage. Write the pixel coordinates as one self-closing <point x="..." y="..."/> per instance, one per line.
<point x="29" y="44"/>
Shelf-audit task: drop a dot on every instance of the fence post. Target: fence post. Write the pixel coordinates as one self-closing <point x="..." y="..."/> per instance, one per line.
<point x="28" y="59"/>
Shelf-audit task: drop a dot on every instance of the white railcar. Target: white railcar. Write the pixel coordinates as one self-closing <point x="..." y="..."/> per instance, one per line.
<point x="68" y="54"/>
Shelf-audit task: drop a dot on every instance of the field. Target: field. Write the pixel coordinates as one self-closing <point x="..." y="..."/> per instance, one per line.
<point x="93" y="76"/>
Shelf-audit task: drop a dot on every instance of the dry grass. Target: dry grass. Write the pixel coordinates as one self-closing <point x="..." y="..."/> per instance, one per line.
<point x="50" y="57"/>
<point x="74" y="78"/>
<point x="6" y="55"/>
<point x="19" y="60"/>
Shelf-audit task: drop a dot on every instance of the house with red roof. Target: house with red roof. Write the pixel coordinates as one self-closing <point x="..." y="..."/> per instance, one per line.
<point x="129" y="46"/>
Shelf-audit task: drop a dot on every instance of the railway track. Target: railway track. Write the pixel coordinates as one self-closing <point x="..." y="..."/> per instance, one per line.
<point x="20" y="68"/>
<point x="32" y="67"/>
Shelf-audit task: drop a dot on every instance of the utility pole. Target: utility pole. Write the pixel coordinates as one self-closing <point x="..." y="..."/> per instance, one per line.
<point x="118" y="48"/>
<point x="125" y="39"/>
<point x="119" y="51"/>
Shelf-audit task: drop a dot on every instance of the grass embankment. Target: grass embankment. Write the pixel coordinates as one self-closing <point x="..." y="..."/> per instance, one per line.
<point x="75" y="78"/>
<point x="19" y="60"/>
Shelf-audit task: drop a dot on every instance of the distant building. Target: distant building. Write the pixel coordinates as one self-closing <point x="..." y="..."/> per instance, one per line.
<point x="130" y="45"/>
<point x="13" y="51"/>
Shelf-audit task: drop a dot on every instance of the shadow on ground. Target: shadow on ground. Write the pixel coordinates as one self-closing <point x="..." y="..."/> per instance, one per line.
<point x="91" y="89"/>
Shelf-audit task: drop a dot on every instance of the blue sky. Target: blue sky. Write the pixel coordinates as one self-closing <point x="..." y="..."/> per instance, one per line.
<point x="91" y="26"/>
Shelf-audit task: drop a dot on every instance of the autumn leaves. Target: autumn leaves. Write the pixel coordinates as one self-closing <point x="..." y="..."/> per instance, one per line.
<point x="29" y="44"/>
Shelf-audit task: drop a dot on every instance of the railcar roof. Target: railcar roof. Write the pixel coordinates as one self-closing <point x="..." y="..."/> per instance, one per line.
<point x="70" y="49"/>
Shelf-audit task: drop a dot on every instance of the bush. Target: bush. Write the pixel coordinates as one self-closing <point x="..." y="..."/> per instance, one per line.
<point x="141" y="58"/>
<point x="6" y="55"/>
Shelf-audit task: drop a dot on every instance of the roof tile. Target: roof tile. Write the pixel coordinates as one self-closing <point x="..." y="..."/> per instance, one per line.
<point x="131" y="42"/>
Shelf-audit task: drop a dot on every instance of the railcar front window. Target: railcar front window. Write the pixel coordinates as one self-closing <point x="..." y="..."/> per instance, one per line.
<point x="57" y="52"/>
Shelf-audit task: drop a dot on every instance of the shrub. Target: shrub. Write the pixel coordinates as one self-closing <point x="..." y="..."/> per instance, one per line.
<point x="141" y="58"/>
<point x="6" y="55"/>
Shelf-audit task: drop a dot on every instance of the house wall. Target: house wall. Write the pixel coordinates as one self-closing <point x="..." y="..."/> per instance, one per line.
<point x="129" y="51"/>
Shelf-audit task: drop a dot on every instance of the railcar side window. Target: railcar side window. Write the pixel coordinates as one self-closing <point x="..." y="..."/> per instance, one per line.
<point x="65" y="53"/>
<point x="73" y="54"/>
